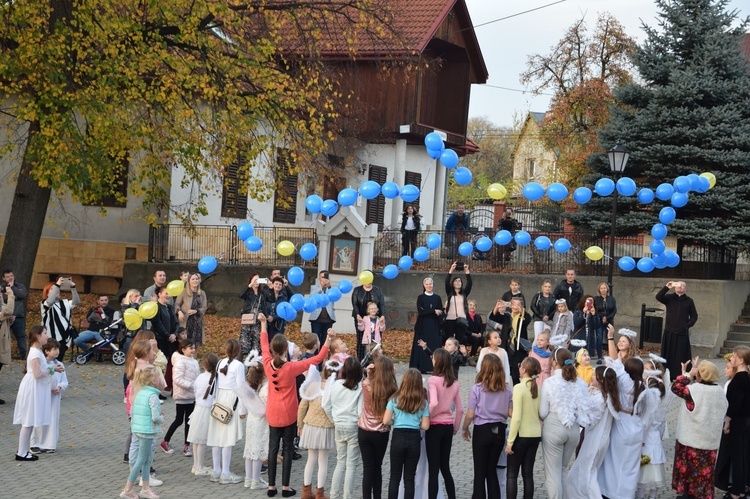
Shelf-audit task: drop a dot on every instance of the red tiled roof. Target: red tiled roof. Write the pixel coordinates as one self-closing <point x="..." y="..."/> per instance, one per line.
<point x="745" y="44"/>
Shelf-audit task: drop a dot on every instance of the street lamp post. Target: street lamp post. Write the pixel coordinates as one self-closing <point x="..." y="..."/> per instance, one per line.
<point x="618" y="159"/>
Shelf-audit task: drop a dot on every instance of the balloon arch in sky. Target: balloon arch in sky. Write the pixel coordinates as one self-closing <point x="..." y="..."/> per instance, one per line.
<point x="677" y="194"/>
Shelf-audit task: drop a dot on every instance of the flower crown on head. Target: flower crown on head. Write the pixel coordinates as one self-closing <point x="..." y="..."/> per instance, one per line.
<point x="578" y="343"/>
<point x="253" y="358"/>
<point x="627" y="332"/>
<point x="334" y="365"/>
<point x="559" y="340"/>
<point x="656" y="358"/>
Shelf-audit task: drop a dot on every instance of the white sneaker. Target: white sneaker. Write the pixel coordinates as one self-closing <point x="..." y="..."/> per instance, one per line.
<point x="203" y="471"/>
<point x="229" y="479"/>
<point x="152" y="481"/>
<point x="213" y="477"/>
<point x="248" y="482"/>
<point x="258" y="485"/>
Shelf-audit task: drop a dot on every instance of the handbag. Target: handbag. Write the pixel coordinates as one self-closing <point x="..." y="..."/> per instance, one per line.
<point x="222" y="413"/>
<point x="248" y="319"/>
<point x="462" y="322"/>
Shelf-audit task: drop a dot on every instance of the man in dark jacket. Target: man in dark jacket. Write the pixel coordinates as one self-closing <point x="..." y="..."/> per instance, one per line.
<point x="361" y="296"/>
<point x="457" y="222"/>
<point x="569" y="290"/>
<point x="18" y="326"/>
<point x="681" y="316"/>
<point x="98" y="318"/>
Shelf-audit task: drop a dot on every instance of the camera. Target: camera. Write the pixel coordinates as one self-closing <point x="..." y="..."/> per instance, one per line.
<point x="459" y="265"/>
<point x="262" y="280"/>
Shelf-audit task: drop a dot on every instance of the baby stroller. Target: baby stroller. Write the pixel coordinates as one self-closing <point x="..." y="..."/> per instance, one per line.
<point x="107" y="346"/>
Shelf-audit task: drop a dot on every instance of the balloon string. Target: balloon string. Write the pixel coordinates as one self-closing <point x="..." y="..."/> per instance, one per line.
<point x="221" y="257"/>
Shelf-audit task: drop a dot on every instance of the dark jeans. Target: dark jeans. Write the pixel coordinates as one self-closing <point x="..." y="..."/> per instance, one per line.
<point x="360" y="347"/>
<point x="487" y="445"/>
<point x="408" y="242"/>
<point x="524" y="454"/>
<point x="475" y="342"/>
<point x="405" y="450"/>
<point x="372" y="446"/>
<point x="321" y="330"/>
<point x="599" y="336"/>
<point x="285" y="434"/>
<point x="183" y="413"/>
<point x="18" y="328"/>
<point x="452" y="330"/>
<point x="438" y="443"/>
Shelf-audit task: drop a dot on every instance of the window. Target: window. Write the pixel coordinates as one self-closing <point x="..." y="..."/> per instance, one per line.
<point x="530" y="165"/>
<point x="376" y="207"/>
<point x="120" y="188"/>
<point x="413" y="178"/>
<point x="234" y="193"/>
<point x="285" y="198"/>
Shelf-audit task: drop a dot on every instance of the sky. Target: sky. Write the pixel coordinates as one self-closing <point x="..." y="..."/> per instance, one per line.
<point x="506" y="44"/>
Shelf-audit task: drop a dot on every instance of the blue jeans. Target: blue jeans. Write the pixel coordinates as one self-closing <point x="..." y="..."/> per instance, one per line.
<point x="86" y="337"/>
<point x="19" y="331"/>
<point x="598" y="337"/>
<point x="142" y="464"/>
<point x="135" y="446"/>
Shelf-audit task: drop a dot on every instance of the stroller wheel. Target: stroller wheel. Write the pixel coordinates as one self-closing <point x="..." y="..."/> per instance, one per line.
<point x="118" y="357"/>
<point x="81" y="359"/>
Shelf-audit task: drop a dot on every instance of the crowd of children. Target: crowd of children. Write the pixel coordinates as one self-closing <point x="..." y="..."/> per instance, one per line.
<point x="612" y="417"/>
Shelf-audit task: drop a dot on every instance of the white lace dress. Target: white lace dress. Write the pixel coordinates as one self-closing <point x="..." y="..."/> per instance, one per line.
<point x="256" y="429"/>
<point x="34" y="400"/>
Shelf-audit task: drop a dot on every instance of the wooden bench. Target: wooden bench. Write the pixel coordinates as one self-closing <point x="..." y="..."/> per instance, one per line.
<point x="87" y="278"/>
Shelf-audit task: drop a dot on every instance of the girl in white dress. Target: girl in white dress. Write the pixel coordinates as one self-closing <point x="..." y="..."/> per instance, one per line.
<point x="44" y="438"/>
<point x="198" y="432"/>
<point x="604" y="404"/>
<point x="652" y="476"/>
<point x="34" y="399"/>
<point x="256" y="427"/>
<point x="493" y="347"/>
<point x="564" y="408"/>
<point x="230" y="376"/>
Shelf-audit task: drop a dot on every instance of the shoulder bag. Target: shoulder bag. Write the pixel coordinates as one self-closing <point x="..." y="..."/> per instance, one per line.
<point x="221" y="412"/>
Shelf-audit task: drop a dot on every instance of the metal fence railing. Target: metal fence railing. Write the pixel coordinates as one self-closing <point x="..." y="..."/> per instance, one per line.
<point x="176" y="243"/>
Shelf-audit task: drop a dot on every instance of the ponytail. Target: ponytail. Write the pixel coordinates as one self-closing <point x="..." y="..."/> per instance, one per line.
<point x="532" y="368"/>
<point x="634" y="368"/>
<point x="564" y="360"/>
<point x="232" y="351"/>
<point x="279" y="350"/>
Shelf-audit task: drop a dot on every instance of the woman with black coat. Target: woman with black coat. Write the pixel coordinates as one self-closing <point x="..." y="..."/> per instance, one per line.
<point x="543" y="308"/>
<point x="165" y="325"/>
<point x="457" y="305"/>
<point x="255" y="303"/>
<point x="410" y="227"/>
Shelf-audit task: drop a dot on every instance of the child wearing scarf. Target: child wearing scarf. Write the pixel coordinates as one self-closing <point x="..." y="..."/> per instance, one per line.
<point x="541" y="352"/>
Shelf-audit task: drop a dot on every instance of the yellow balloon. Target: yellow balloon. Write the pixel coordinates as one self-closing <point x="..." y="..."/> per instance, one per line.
<point x="133" y="320"/>
<point x="594" y="253"/>
<point x="174" y="288"/>
<point x="711" y="179"/>
<point x="285" y="248"/>
<point x="148" y="309"/>
<point x="497" y="191"/>
<point x="366" y="277"/>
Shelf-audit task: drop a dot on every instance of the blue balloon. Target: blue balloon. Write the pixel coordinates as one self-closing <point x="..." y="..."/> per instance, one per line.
<point x="542" y="243"/>
<point x="484" y="244"/>
<point x="313" y="203"/>
<point x="703" y="185"/>
<point x="433" y="141"/>
<point x="369" y="189"/>
<point x="503" y="237"/>
<point x="682" y="184"/>
<point x="660" y="260"/>
<point x="323" y="300"/>
<point x="390" y="271"/>
<point x="694" y="181"/>
<point x="405" y="262"/>
<point x="409" y="193"/>
<point x="449" y="158"/>
<point x="522" y="237"/>
<point x="310" y="305"/>
<point x="308" y="251"/>
<point x="626" y="186"/>
<point x="557" y="191"/>
<point x="207" y="264"/>
<point x="245" y="230"/>
<point x="533" y="191"/>
<point x="464" y="249"/>
<point x="659" y="231"/>
<point x="645" y="265"/>
<point x="604" y="186"/>
<point x="433" y="241"/>
<point x="667" y="215"/>
<point x="664" y="192"/>
<point x="253" y="243"/>
<point x="434" y="153"/>
<point x="329" y="207"/>
<point x="421" y="254"/>
<point x="626" y="263"/>
<point x="334" y="294"/>
<point x="562" y="245"/>
<point x="673" y="259"/>
<point x="390" y="190"/>
<point x="582" y="195"/>
<point x="645" y="195"/>
<point x="347" y="197"/>
<point x="295" y="276"/>
<point x="462" y="175"/>
<point x="657" y="246"/>
<point x="297" y="301"/>
<point x="285" y="311"/>
<point x="345" y="286"/>
<point x="679" y="199"/>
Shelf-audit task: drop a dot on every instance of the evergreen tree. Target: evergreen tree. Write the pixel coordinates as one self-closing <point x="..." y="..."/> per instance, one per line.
<point x="688" y="113"/>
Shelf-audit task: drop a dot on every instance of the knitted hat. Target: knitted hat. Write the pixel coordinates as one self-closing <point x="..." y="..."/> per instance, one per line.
<point x="708" y="372"/>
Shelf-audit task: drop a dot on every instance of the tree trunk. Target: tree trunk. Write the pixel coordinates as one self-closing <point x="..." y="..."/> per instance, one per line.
<point x="26" y="222"/>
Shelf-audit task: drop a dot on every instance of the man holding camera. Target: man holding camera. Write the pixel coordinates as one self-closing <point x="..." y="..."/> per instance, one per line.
<point x="18" y="321"/>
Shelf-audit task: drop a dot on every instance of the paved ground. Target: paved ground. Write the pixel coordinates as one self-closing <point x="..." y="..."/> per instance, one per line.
<point x="88" y="462"/>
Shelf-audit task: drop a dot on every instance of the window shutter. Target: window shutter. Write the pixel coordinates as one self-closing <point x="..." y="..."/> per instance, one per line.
<point x="376" y="207"/>
<point x="413" y="178"/>
<point x="285" y="198"/>
<point x="234" y="193"/>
